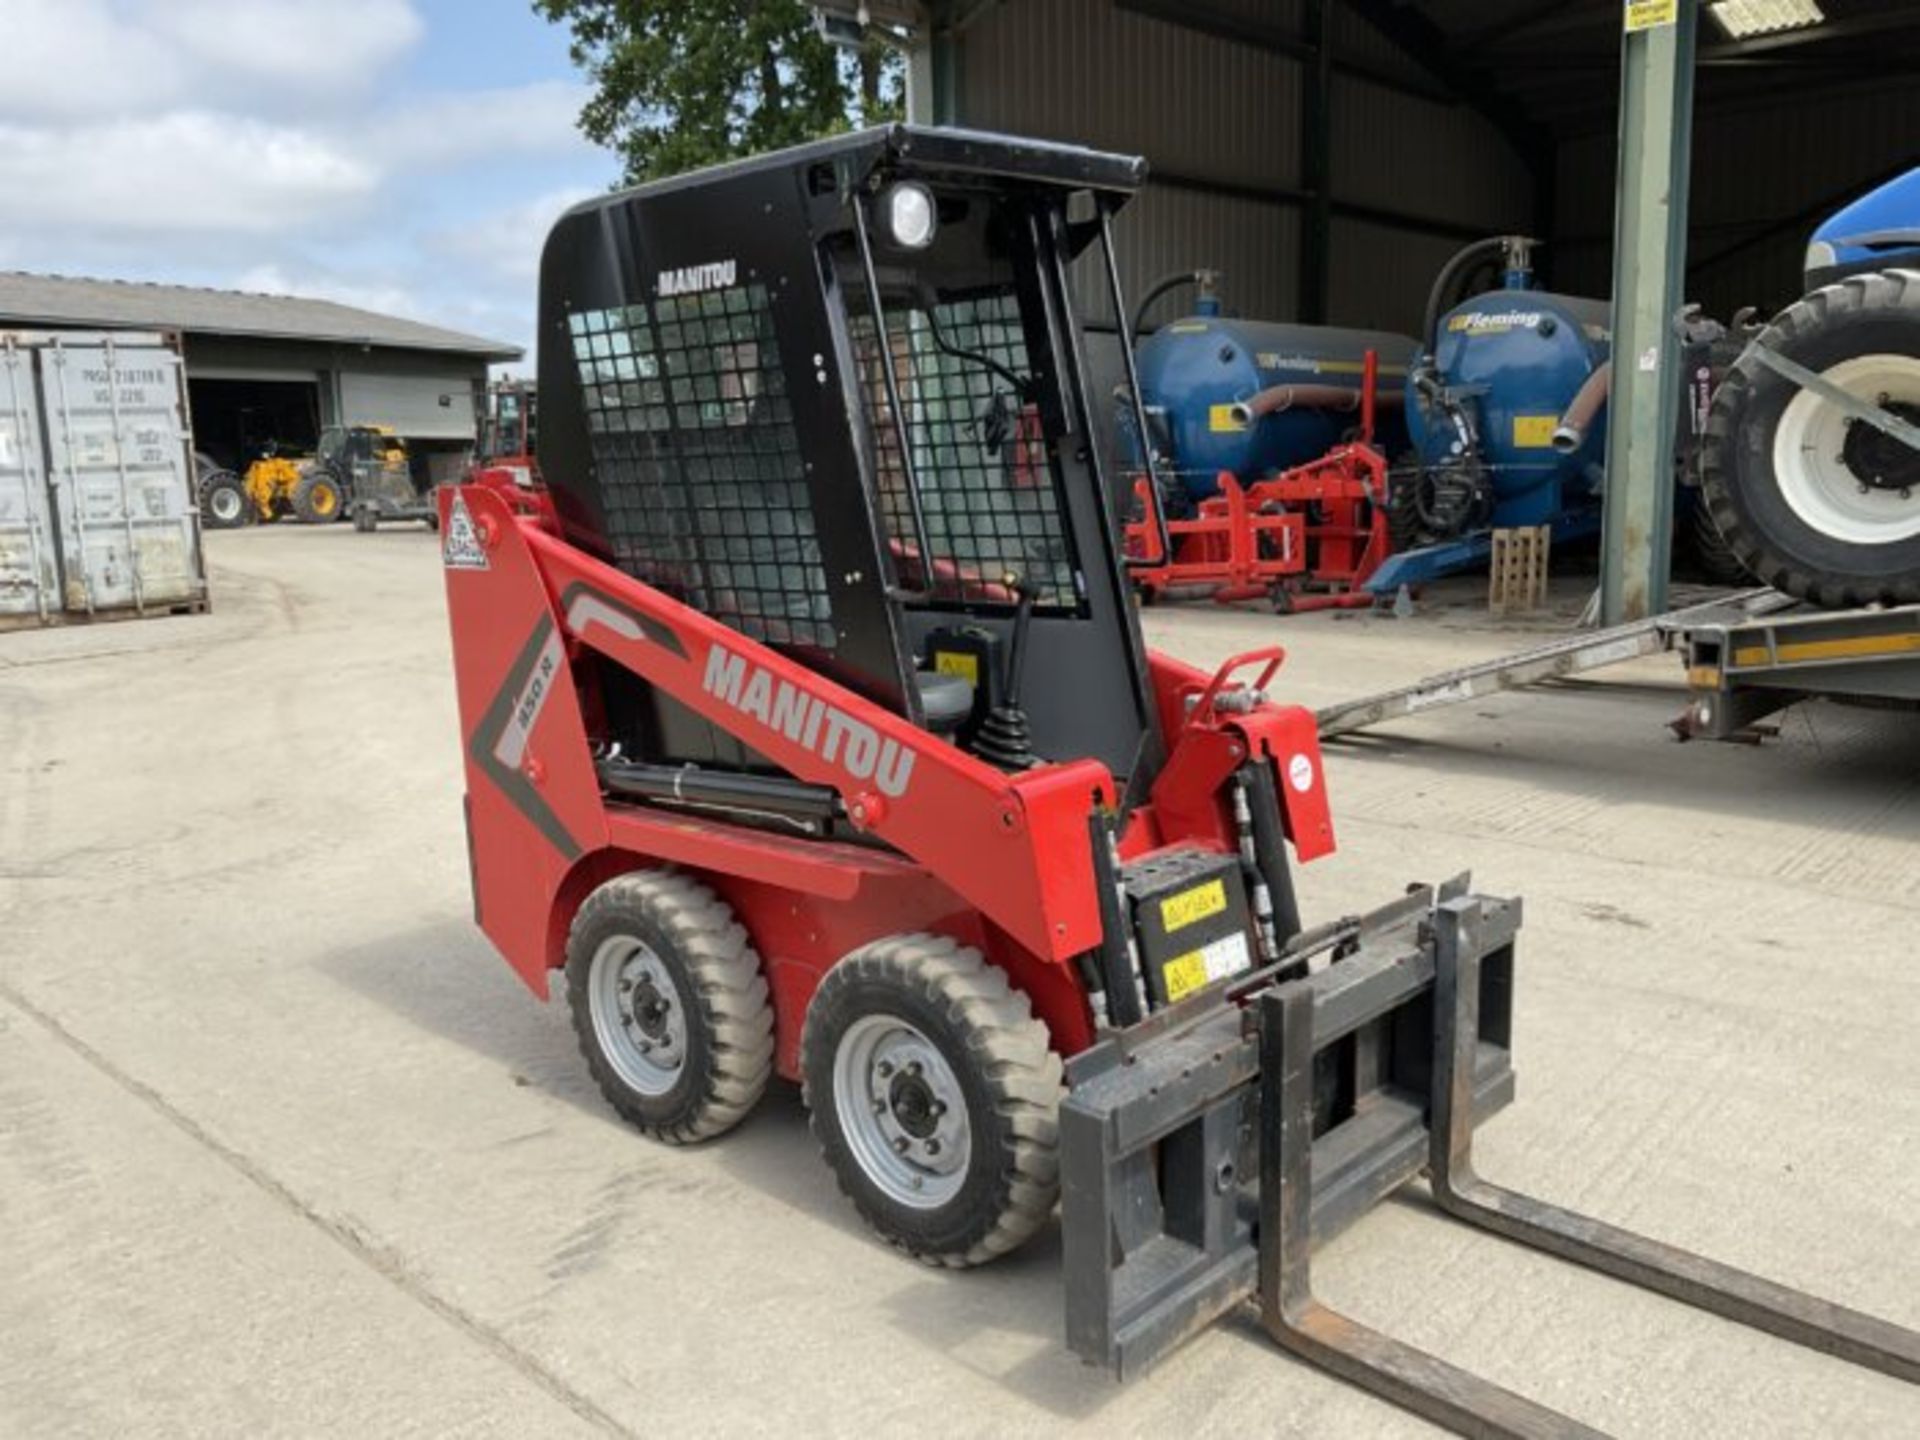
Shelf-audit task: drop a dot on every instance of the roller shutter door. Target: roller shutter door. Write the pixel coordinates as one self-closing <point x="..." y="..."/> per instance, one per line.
<point x="420" y="407"/>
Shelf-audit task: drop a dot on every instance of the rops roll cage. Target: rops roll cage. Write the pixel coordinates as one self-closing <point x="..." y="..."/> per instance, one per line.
<point x="1104" y="204"/>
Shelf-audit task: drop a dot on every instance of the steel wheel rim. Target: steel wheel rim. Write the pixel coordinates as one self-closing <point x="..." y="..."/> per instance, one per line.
<point x="1818" y="486"/>
<point x="639" y="1014"/>
<point x="225" y="503"/>
<point x="325" y="502"/>
<point x="902" y="1112"/>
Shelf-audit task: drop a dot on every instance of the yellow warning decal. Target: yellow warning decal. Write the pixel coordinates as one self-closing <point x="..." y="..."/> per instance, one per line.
<point x="1215" y="960"/>
<point x="1650" y="14"/>
<point x="1188" y="327"/>
<point x="1534" y="432"/>
<point x="1184" y="974"/>
<point x="1222" y="421"/>
<point x="957" y="662"/>
<point x="1188" y="906"/>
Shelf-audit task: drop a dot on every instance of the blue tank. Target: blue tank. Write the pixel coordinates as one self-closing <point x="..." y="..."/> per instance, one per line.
<point x="1197" y="375"/>
<point x="1511" y="361"/>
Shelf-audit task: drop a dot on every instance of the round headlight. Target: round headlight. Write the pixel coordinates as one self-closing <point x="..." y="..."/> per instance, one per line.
<point x="908" y="212"/>
<point x="1820" y="256"/>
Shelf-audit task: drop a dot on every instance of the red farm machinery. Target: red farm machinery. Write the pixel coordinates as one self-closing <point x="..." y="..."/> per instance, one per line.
<point x="813" y="735"/>
<point x="1306" y="539"/>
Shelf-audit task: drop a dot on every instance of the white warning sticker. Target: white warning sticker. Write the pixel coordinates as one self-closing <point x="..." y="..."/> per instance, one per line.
<point x="462" y="550"/>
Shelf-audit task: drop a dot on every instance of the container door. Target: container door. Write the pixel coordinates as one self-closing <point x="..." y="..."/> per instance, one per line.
<point x="28" y="577"/>
<point x="123" y="479"/>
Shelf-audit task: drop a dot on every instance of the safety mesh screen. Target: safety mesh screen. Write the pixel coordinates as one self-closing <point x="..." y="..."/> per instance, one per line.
<point x="985" y="479"/>
<point x="701" y="479"/>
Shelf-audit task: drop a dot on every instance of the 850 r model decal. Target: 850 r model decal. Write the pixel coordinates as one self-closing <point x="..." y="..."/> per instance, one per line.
<point x="499" y="742"/>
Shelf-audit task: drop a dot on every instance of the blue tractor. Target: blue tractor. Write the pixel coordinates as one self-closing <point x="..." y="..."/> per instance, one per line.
<point x="1811" y="466"/>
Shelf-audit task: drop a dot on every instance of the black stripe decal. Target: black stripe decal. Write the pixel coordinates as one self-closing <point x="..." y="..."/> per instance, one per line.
<point x="500" y="740"/>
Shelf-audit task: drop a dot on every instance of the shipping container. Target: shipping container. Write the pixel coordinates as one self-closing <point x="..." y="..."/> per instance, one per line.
<point x="98" y="511"/>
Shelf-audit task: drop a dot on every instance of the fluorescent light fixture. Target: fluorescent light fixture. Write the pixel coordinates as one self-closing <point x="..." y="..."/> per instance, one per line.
<point x="1742" y="19"/>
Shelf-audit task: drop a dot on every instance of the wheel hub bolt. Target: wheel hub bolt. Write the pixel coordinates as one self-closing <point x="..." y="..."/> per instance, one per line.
<point x="913" y="1068"/>
<point x="933" y="1147"/>
<point x="884" y="1069"/>
<point x="900" y="1145"/>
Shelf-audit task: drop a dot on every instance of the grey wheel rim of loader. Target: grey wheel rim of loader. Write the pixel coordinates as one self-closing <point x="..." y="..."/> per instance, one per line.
<point x="985" y="1096"/>
<point x="639" y="1016"/>
<point x="1812" y="501"/>
<point x="683" y="1052"/>
<point x="902" y="1111"/>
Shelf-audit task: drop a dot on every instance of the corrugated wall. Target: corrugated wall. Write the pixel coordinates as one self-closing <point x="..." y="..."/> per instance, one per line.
<point x="1753" y="167"/>
<point x="1205" y="109"/>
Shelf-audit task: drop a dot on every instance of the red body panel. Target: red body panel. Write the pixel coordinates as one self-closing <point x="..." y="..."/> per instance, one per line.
<point x="1003" y="862"/>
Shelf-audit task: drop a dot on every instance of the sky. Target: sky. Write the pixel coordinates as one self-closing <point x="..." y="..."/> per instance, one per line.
<point x="407" y="156"/>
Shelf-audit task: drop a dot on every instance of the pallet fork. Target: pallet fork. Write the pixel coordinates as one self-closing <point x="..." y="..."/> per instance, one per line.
<point x="1333" y="1078"/>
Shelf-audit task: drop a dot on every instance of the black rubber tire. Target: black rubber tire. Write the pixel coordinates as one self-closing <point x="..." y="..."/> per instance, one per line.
<point x="1863" y="315"/>
<point x="729" y="1048"/>
<point x="1004" y="1063"/>
<point x="365" y="519"/>
<point x="1713" y="558"/>
<point x="224" y="489"/>
<point x="1404" y="528"/>
<point x="309" y="502"/>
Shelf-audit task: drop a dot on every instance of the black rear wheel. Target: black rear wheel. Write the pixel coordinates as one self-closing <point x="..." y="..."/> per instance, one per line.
<point x="1811" y="500"/>
<point x="318" y="498"/>
<point x="669" y="1005"/>
<point x="224" y="502"/>
<point x="935" y="1097"/>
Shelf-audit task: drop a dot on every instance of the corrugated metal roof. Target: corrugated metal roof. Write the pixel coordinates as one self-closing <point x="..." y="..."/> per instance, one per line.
<point x="115" y="304"/>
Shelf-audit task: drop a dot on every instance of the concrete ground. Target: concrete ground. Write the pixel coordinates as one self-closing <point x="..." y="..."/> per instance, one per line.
<point x="285" y="1149"/>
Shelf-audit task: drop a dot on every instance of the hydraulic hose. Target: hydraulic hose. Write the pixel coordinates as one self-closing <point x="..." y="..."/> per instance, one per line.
<point x="1161" y="287"/>
<point x="1440" y="297"/>
<point x="1586" y="404"/>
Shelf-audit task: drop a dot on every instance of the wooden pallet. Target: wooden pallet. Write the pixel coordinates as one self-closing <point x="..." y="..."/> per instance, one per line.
<point x="1517" y="577"/>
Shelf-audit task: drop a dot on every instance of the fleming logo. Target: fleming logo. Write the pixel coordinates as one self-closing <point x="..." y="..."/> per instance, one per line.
<point x="807" y="720"/>
<point x="692" y="279"/>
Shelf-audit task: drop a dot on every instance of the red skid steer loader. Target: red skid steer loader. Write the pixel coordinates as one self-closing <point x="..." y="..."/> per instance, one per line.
<point x="811" y="732"/>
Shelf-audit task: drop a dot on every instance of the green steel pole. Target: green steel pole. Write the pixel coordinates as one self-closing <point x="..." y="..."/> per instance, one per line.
<point x="1649" y="270"/>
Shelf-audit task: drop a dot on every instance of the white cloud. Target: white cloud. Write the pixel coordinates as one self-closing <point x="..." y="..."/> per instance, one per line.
<point x="71" y="58"/>
<point x="291" y="42"/>
<point x="185" y="171"/>
<point x="74" y="57"/>
<point x="507" y="244"/>
<point x="384" y="298"/>
<point x="447" y="129"/>
<point x="287" y="146"/>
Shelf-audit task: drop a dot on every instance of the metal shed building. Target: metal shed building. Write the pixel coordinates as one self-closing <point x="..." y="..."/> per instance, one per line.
<point x="277" y="369"/>
<point x="1327" y="155"/>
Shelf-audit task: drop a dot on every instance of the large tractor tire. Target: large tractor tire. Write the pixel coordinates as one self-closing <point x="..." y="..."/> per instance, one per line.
<point x="1713" y="558"/>
<point x="669" y="1005"/>
<point x="224" y="502"/>
<point x="318" y="498"/>
<point x="935" y="1097"/>
<point x="1812" y="502"/>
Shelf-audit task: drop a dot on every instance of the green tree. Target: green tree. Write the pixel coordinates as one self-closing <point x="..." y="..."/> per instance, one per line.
<point x="683" y="83"/>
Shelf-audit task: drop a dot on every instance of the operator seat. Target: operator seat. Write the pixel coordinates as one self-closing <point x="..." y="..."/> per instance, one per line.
<point x="946" y="700"/>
